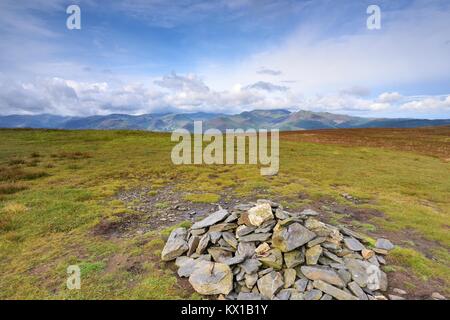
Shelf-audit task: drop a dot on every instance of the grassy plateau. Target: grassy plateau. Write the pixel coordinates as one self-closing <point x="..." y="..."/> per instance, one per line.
<point x="107" y="200"/>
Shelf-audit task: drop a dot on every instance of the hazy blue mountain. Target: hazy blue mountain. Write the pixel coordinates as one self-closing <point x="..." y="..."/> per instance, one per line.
<point x="31" y="121"/>
<point x="258" y="119"/>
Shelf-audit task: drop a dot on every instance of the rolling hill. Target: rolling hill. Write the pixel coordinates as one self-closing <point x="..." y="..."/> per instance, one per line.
<point x="258" y="119"/>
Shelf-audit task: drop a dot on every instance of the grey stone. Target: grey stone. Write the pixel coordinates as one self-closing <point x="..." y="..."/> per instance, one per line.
<point x="309" y="213"/>
<point x="381" y="259"/>
<point x="281" y="214"/>
<point x="326" y="297"/>
<point x="322" y="273"/>
<point x="234" y="260"/>
<point x="345" y="275"/>
<point x="295" y="295"/>
<point x="230" y="239"/>
<point x="187" y="267"/>
<point x="231" y="218"/>
<point x="316" y="241"/>
<point x="212" y="278"/>
<point x="294" y="258"/>
<point x="246" y="249"/>
<point x="394" y="297"/>
<point x="251" y="265"/>
<point x="248" y="296"/>
<point x="399" y="291"/>
<point x="219" y="254"/>
<point x="243" y="206"/>
<point x="243" y="230"/>
<point x="266" y="227"/>
<point x="301" y="284"/>
<point x="274" y="259"/>
<point x="197" y="232"/>
<point x="357" y="291"/>
<point x="313" y="294"/>
<point x="437" y="296"/>
<point x="255" y="237"/>
<point x="353" y="244"/>
<point x="291" y="237"/>
<point x="333" y="257"/>
<point x="333" y="291"/>
<point x="284" y="294"/>
<point x="351" y="233"/>
<point x="214" y="236"/>
<point x="192" y="244"/>
<point x="222" y="227"/>
<point x="289" y="276"/>
<point x="203" y="244"/>
<point x="384" y="244"/>
<point x="176" y="245"/>
<point x="211" y="219"/>
<point x="264" y="272"/>
<point x="312" y="255"/>
<point x="270" y="284"/>
<point x="250" y="280"/>
<point x="358" y="270"/>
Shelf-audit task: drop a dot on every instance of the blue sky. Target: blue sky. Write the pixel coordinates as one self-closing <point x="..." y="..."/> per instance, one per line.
<point x="144" y="56"/>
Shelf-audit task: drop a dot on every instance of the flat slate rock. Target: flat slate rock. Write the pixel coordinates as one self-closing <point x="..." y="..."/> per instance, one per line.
<point x="212" y="278"/>
<point x="384" y="244"/>
<point x="211" y="219"/>
<point x="249" y="296"/>
<point x="256" y="237"/>
<point x="270" y="284"/>
<point x="322" y="273"/>
<point x="176" y="245"/>
<point x="291" y="237"/>
<point x="353" y="244"/>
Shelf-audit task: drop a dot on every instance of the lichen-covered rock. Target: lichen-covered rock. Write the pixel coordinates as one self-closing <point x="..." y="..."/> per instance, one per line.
<point x="313" y="254"/>
<point x="294" y="258"/>
<point x="274" y="259"/>
<point x="259" y="214"/>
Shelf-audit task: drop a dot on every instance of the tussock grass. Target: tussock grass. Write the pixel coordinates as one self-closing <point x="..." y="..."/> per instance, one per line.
<point x="77" y="155"/>
<point x="11" y="188"/>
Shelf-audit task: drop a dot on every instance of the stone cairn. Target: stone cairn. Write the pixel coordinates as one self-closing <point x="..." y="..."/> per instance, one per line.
<point x="260" y="251"/>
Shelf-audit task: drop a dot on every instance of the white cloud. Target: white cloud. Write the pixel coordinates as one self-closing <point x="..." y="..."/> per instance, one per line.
<point x="429" y="104"/>
<point x="268" y="71"/>
<point x="186" y="93"/>
<point x="266" y="86"/>
<point x="323" y="61"/>
<point x="389" y="97"/>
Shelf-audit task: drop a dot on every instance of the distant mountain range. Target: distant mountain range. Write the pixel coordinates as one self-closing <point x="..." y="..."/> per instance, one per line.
<point x="258" y="119"/>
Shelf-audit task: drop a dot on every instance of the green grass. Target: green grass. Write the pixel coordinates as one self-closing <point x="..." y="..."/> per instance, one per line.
<point x="202" y="197"/>
<point x="72" y="186"/>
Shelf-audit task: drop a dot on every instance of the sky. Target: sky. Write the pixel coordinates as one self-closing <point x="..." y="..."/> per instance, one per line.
<point x="225" y="56"/>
